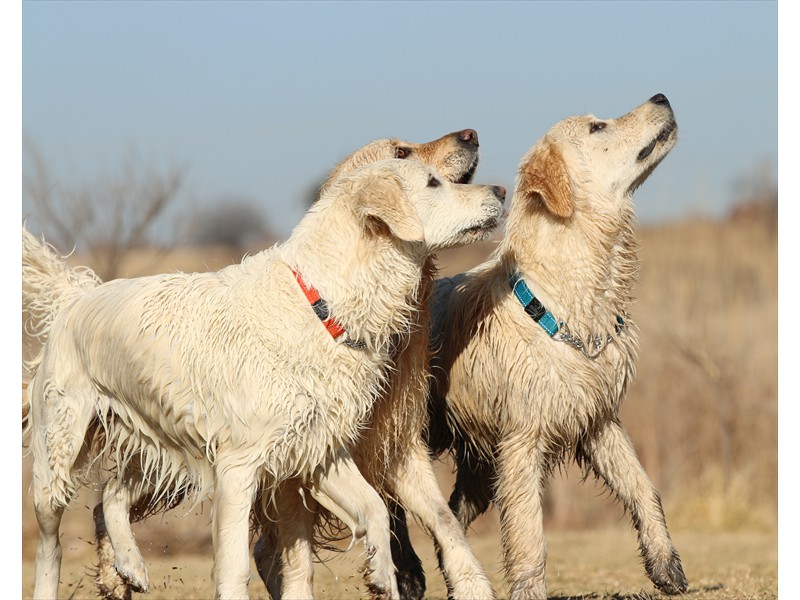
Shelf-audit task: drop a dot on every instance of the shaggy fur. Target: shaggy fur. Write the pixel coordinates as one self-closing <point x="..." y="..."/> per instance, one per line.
<point x="391" y="452"/>
<point x="226" y="382"/>
<point x="513" y="402"/>
<point x="391" y="445"/>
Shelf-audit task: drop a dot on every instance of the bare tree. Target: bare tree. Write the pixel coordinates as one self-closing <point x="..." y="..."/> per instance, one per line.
<point x="756" y="197"/>
<point x="235" y="223"/>
<point x="107" y="219"/>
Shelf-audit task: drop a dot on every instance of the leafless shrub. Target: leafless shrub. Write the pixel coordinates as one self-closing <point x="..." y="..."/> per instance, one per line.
<point x="232" y="223"/>
<point x="106" y="219"/>
<point x="756" y="196"/>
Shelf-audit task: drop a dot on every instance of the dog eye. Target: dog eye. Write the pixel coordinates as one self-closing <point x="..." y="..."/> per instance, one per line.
<point x="596" y="126"/>
<point x="401" y="152"/>
<point x="433" y="182"/>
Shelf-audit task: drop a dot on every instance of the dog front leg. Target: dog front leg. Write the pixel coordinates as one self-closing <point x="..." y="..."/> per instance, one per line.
<point x="284" y="552"/>
<point x="268" y="561"/>
<point x="611" y="455"/>
<point x="341" y="488"/>
<point x="520" y="485"/>
<point x="472" y="492"/>
<point x="419" y="492"/>
<point x="234" y="492"/>
<point x="410" y="574"/>
<point x="120" y="562"/>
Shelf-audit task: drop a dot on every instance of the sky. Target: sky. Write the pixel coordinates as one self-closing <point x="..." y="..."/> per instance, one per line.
<point x="257" y="101"/>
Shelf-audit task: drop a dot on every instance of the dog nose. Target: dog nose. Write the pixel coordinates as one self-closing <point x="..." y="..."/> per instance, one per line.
<point x="500" y="192"/>
<point x="469" y="136"/>
<point x="660" y="99"/>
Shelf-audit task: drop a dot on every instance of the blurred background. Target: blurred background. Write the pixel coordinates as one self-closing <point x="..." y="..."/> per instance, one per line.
<point x="180" y="135"/>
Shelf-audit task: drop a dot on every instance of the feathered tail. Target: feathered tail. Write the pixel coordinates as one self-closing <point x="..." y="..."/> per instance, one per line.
<point x="48" y="284"/>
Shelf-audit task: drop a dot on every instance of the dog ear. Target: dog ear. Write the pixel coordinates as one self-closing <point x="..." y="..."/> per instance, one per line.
<point x="545" y="175"/>
<point x="382" y="203"/>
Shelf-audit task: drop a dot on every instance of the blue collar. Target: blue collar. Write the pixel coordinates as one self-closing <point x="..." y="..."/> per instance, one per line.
<point x="533" y="307"/>
<point x="547" y="321"/>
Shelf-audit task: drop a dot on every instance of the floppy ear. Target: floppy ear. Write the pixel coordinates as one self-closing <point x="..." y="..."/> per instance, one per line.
<point x="382" y="199"/>
<point x="545" y="175"/>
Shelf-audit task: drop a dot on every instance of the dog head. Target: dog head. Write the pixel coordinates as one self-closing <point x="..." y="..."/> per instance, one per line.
<point x="601" y="162"/>
<point x="414" y="203"/>
<point x="454" y="155"/>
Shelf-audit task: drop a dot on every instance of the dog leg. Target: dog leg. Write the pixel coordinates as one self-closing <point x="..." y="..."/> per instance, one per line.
<point x="418" y="491"/>
<point x="109" y="583"/>
<point x="59" y="424"/>
<point x="410" y="575"/>
<point x="234" y="492"/>
<point x="295" y="539"/>
<point x="612" y="456"/>
<point x="48" y="551"/>
<point x="268" y="559"/>
<point x="520" y="485"/>
<point x="342" y="489"/>
<point x="118" y="497"/>
<point x="472" y="492"/>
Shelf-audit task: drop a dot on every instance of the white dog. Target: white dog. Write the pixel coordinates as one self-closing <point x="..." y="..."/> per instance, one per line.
<point x="536" y="347"/>
<point x="237" y="380"/>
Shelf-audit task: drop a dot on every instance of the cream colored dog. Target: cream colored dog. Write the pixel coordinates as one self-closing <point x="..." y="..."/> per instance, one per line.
<point x="390" y="452"/>
<point x="241" y="379"/>
<point x="535" y="348"/>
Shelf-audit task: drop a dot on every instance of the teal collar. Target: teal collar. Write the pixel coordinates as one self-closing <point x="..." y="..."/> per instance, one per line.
<point x="533" y="307"/>
<point x="547" y="321"/>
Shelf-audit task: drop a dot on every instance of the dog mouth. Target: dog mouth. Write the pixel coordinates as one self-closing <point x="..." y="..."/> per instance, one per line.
<point x="662" y="136"/>
<point x="467" y="176"/>
<point x="481" y="229"/>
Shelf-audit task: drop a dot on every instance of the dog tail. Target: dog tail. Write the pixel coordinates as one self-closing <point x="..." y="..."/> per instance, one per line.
<point x="48" y="284"/>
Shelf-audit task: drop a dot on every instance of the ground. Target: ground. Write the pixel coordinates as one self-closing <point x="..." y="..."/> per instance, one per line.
<point x="596" y="563"/>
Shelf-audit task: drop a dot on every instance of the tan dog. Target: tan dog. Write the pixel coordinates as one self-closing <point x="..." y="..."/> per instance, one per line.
<point x="395" y="432"/>
<point x="391" y="452"/>
<point x="455" y="155"/>
<point x="189" y="382"/>
<point x="535" y="348"/>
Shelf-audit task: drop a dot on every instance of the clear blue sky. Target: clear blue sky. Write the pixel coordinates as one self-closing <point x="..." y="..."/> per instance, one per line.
<point x="259" y="100"/>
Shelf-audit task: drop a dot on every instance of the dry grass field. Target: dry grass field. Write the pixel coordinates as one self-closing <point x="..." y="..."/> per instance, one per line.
<point x="702" y="414"/>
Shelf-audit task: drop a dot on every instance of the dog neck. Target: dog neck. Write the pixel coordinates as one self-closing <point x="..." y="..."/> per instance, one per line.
<point x="583" y="269"/>
<point x="370" y="281"/>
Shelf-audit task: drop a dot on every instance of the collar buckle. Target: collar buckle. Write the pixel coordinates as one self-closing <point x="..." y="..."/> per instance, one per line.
<point x="320" y="308"/>
<point x="536" y="310"/>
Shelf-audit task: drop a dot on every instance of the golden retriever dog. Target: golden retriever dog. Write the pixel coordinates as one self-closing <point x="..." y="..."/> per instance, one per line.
<point x="235" y="381"/>
<point x="389" y="452"/>
<point x="535" y="348"/>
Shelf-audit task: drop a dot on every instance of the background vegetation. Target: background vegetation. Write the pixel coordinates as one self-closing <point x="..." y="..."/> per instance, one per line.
<point x="702" y="413"/>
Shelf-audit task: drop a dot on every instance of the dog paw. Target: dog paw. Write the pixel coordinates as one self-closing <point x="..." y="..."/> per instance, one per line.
<point x="477" y="588"/>
<point x="529" y="588"/>
<point x="668" y="576"/>
<point x="132" y="570"/>
<point x="411" y="583"/>
<point x="110" y="586"/>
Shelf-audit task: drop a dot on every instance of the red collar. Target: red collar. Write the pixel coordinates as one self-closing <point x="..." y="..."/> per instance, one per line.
<point x="320" y="307"/>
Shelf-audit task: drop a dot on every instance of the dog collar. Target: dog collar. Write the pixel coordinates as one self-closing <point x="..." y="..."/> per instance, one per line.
<point x="320" y="307"/>
<point x="533" y="307"/>
<point x="536" y="311"/>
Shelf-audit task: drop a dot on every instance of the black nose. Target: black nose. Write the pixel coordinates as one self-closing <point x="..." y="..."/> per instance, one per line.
<point x="660" y="99"/>
<point x="469" y="136"/>
<point x="500" y="192"/>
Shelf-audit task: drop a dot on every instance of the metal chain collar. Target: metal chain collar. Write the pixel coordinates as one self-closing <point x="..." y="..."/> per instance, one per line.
<point x="565" y="335"/>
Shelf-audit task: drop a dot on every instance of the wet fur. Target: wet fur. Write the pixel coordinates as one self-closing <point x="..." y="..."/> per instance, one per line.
<point x="175" y="370"/>
<point x="512" y="403"/>
<point x="391" y="452"/>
